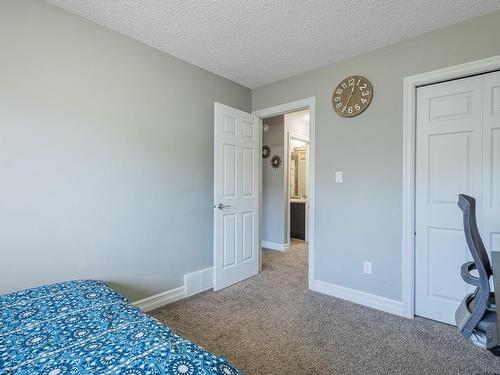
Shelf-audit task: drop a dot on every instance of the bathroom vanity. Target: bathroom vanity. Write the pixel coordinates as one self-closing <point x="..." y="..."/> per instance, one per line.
<point x="298" y="189"/>
<point x="298" y="218"/>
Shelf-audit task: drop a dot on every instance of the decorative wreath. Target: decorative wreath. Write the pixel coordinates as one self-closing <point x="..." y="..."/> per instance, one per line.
<point x="266" y="152"/>
<point x="275" y="161"/>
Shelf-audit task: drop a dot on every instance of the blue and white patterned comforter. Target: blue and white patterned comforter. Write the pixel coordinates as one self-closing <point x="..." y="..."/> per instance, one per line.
<point x="84" y="327"/>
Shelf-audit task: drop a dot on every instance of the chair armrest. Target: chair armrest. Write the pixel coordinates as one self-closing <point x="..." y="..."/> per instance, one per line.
<point x="466" y="275"/>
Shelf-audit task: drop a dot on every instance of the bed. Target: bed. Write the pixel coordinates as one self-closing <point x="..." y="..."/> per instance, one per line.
<point x="85" y="327"/>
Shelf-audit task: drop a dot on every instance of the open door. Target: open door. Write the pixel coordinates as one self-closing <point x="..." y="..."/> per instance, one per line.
<point x="236" y="195"/>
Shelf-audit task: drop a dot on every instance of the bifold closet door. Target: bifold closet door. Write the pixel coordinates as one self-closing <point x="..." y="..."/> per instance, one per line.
<point x="449" y="155"/>
<point x="491" y="162"/>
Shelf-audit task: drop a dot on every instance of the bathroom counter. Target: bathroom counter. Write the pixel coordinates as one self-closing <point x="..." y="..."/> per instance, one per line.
<point x="297" y="200"/>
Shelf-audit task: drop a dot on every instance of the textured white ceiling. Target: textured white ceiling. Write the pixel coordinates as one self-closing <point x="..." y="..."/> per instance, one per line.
<point x="254" y="42"/>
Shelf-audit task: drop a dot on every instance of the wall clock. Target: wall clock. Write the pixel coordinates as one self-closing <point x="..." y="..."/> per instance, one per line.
<point x="352" y="96"/>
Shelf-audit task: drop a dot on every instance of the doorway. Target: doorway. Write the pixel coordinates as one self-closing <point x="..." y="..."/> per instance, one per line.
<point x="299" y="117"/>
<point x="457" y="151"/>
<point x="237" y="204"/>
<point x="285" y="179"/>
<point x="237" y="201"/>
<point x="285" y="176"/>
<point x="297" y="182"/>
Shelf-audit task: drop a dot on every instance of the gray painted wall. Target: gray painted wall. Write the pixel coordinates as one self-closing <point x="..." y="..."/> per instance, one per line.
<point x="273" y="183"/>
<point x="361" y="218"/>
<point x="106" y="155"/>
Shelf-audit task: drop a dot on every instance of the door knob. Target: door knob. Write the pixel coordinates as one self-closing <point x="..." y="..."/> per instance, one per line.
<point x="221" y="206"/>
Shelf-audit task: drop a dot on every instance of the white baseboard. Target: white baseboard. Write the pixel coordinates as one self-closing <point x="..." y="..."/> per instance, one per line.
<point x="366" y="299"/>
<point x="275" y="245"/>
<point x="194" y="283"/>
<point x="199" y="281"/>
<point x="161" y="299"/>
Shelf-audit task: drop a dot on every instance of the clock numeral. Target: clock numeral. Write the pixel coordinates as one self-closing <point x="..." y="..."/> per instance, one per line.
<point x="363" y="86"/>
<point x="344" y="86"/>
<point x="337" y="98"/>
<point x="339" y="91"/>
<point x="357" y="107"/>
<point x="365" y="93"/>
<point x="338" y="105"/>
<point x="350" y="110"/>
<point x="351" y="82"/>
<point x="364" y="101"/>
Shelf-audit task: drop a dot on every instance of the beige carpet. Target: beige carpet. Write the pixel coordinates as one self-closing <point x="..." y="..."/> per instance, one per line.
<point x="272" y="324"/>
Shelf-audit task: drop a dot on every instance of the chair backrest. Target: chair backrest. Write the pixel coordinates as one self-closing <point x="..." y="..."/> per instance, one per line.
<point x="477" y="303"/>
<point x="476" y="246"/>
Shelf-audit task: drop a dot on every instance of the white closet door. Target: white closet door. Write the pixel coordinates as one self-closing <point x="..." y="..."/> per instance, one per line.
<point x="449" y="162"/>
<point x="491" y="159"/>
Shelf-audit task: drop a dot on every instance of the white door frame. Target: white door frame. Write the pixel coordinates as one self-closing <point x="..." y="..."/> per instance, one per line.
<point x="307" y="103"/>
<point x="297" y="137"/>
<point x="410" y="85"/>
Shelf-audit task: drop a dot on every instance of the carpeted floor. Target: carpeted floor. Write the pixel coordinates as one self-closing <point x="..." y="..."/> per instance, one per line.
<point x="272" y="324"/>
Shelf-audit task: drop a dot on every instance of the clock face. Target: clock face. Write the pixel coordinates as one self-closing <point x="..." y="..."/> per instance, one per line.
<point x="352" y="96"/>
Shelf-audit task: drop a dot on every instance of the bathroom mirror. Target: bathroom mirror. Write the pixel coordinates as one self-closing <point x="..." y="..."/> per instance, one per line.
<point x="298" y="169"/>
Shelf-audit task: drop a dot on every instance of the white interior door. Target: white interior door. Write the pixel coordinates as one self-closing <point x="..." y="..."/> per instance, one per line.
<point x="236" y="195"/>
<point x="449" y="162"/>
<point x="491" y="160"/>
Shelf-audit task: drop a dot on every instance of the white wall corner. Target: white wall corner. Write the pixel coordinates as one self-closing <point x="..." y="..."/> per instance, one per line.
<point x="275" y="245"/>
<point x="359" y="297"/>
<point x="160" y="299"/>
<point x="199" y="281"/>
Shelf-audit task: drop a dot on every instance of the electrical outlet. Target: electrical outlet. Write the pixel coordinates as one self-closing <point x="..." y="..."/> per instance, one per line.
<point x="367" y="267"/>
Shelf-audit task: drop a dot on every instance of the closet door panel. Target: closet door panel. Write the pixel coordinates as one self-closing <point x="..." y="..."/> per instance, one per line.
<point x="448" y="162"/>
<point x="491" y="162"/>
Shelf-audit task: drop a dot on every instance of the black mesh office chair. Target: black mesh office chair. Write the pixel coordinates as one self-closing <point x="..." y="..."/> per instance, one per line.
<point x="476" y="316"/>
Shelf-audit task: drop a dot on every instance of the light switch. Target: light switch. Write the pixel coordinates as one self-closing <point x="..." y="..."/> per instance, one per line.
<point x="338" y="177"/>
